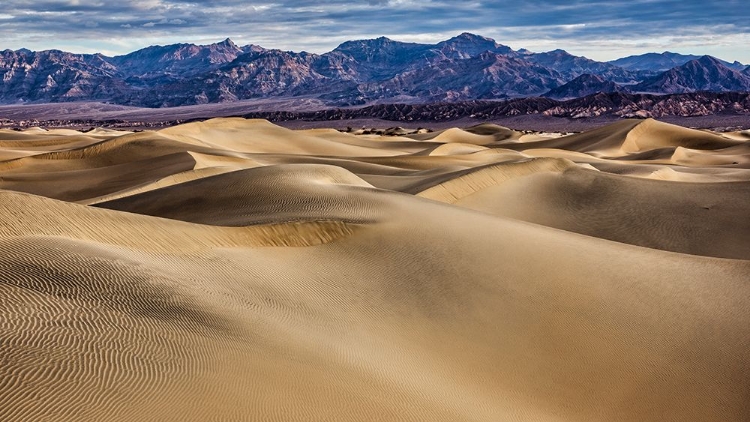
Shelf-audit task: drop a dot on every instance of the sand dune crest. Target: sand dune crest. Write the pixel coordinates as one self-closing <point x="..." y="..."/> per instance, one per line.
<point x="236" y="270"/>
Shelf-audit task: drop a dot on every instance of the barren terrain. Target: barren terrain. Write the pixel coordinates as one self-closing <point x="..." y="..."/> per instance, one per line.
<point x="233" y="269"/>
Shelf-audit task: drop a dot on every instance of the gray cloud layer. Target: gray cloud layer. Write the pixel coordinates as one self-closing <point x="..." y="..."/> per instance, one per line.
<point x="598" y="28"/>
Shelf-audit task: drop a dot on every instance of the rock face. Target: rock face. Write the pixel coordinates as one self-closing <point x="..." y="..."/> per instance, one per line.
<point x="486" y="76"/>
<point x="57" y="76"/>
<point x="653" y="62"/>
<point x="381" y="70"/>
<point x="257" y="74"/>
<point x="616" y="104"/>
<point x="661" y="62"/>
<point x="571" y="66"/>
<point x="704" y="74"/>
<point x="468" y="45"/>
<point x="583" y="86"/>
<point x="177" y="59"/>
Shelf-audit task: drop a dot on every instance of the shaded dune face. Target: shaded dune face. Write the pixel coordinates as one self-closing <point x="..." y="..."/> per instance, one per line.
<point x="235" y="270"/>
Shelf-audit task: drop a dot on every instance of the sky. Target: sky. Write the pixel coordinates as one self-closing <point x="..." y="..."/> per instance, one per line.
<point x="601" y="30"/>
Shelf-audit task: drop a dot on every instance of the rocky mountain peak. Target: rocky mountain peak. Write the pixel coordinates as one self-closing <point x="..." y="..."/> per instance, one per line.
<point x="706" y="73"/>
<point x="464" y="67"/>
<point x="584" y="85"/>
<point x="228" y="43"/>
<point x="468" y="45"/>
<point x="710" y="61"/>
<point x="467" y="38"/>
<point x="369" y="44"/>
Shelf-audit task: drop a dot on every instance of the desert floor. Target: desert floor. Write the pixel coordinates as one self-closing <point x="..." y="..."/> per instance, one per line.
<point x="236" y="270"/>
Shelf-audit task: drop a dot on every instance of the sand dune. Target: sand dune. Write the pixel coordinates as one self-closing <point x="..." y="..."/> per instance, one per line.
<point x="235" y="270"/>
<point x="643" y="212"/>
<point x="260" y="195"/>
<point x="484" y="134"/>
<point x="260" y="136"/>
<point x="652" y="134"/>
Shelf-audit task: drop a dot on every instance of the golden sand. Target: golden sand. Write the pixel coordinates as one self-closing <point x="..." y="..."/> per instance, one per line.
<point x="236" y="270"/>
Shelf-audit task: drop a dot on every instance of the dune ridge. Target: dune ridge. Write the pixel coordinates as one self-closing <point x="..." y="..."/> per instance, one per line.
<point x="234" y="270"/>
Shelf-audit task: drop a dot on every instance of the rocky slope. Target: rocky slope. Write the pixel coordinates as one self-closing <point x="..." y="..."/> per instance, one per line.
<point x="584" y="85"/>
<point x="362" y="72"/>
<point x="57" y="75"/>
<point x="178" y="59"/>
<point x="704" y="74"/>
<point x="661" y="62"/>
<point x="571" y="66"/>
<point x="616" y="104"/>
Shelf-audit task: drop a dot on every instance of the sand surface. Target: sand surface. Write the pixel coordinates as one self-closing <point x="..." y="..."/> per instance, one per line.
<point x="236" y="270"/>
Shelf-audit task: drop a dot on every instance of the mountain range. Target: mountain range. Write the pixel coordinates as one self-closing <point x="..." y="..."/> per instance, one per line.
<point x="381" y="70"/>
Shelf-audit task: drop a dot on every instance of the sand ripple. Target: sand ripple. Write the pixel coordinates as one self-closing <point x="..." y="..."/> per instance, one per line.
<point x="236" y="270"/>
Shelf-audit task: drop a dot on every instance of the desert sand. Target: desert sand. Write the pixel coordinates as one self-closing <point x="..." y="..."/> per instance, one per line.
<point x="235" y="270"/>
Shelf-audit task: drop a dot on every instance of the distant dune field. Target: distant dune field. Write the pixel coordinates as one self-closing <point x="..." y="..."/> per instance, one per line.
<point x="236" y="270"/>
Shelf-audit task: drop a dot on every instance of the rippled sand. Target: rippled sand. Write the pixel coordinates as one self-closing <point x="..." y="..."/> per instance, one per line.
<point x="236" y="270"/>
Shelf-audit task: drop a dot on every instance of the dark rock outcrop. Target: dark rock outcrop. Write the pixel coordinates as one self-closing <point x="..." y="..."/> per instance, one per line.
<point x="583" y="86"/>
<point x="616" y="105"/>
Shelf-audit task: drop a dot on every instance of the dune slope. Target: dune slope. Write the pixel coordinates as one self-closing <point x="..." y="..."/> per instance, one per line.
<point x="234" y="270"/>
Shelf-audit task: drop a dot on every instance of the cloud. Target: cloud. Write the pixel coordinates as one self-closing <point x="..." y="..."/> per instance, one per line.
<point x="319" y="25"/>
<point x="171" y="22"/>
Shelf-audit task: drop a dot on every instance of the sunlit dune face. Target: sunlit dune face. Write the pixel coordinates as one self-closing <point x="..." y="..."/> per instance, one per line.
<point x="235" y="270"/>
